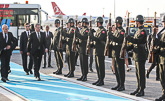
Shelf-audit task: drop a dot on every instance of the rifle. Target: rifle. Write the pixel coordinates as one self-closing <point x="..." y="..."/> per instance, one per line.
<point x="60" y="39"/>
<point x="151" y="54"/>
<point x="106" y="50"/>
<point x="122" y="52"/>
<point x="89" y="41"/>
<point x="74" y="38"/>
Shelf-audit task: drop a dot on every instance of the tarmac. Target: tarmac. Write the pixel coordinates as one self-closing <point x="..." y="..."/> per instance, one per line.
<point x="152" y="91"/>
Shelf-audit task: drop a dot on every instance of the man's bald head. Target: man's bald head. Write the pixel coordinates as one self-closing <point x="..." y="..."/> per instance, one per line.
<point x="5" y="28"/>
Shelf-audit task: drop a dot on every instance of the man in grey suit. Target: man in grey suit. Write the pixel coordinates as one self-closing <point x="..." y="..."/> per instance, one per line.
<point x="49" y="37"/>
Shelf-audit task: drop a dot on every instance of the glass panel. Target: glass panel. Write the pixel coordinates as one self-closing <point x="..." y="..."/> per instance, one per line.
<point x="22" y="19"/>
<point x="33" y="19"/>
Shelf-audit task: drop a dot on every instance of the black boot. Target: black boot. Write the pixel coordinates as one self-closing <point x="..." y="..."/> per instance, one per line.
<point x="79" y="79"/>
<point x="84" y="78"/>
<point x="55" y="72"/>
<point x="115" y="88"/>
<point x="121" y="88"/>
<point x="136" y="91"/>
<point x="147" y="74"/>
<point x="100" y="83"/>
<point x="140" y="93"/>
<point x="161" y="98"/>
<point x="71" y="75"/>
<point x="59" y="72"/>
<point x="96" y="82"/>
<point x="67" y="74"/>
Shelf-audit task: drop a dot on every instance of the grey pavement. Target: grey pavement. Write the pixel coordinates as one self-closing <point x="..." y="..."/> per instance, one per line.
<point x="152" y="91"/>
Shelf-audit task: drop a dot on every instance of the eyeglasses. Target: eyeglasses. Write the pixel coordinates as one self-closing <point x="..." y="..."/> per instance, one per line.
<point x="27" y="26"/>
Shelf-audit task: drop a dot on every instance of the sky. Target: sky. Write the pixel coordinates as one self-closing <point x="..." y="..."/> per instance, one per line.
<point x="95" y="7"/>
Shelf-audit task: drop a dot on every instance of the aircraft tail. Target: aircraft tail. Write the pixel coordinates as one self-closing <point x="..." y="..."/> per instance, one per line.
<point x="56" y="9"/>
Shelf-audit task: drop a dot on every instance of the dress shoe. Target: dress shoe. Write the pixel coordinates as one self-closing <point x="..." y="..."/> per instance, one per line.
<point x="91" y="70"/>
<point x="55" y="72"/>
<point x="129" y="69"/>
<point x="147" y="74"/>
<point x="136" y="91"/>
<point x="44" y="67"/>
<point x="50" y="66"/>
<point x="121" y="88"/>
<point x="59" y="73"/>
<point x="157" y="79"/>
<point x="161" y="98"/>
<point x="95" y="82"/>
<point x="7" y="79"/>
<point x="140" y="93"/>
<point x="38" y="79"/>
<point x="27" y="73"/>
<point x="115" y="88"/>
<point x="3" y="79"/>
<point x="71" y="75"/>
<point x="31" y="72"/>
<point x="79" y="79"/>
<point x="67" y="74"/>
<point x="84" y="78"/>
<point x="100" y="83"/>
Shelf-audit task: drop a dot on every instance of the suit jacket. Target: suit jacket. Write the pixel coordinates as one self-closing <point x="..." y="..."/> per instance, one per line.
<point x="34" y="44"/>
<point x="49" y="38"/>
<point x="23" y="42"/>
<point x="11" y="42"/>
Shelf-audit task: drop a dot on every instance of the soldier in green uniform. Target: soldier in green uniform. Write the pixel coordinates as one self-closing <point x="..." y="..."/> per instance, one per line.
<point x="83" y="36"/>
<point x="117" y="40"/>
<point x="139" y="55"/>
<point x="160" y="41"/>
<point x="57" y="52"/>
<point x="99" y="45"/>
<point x="70" y="54"/>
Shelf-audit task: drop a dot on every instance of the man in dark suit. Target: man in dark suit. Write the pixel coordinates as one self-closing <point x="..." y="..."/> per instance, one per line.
<point x="23" y="50"/>
<point x="7" y="44"/>
<point x="49" y="37"/>
<point x="36" y="45"/>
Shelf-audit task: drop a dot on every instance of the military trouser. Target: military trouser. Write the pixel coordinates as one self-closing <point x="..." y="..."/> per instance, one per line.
<point x="100" y="66"/>
<point x="71" y="61"/>
<point x="84" y="64"/>
<point x="155" y="63"/>
<point x="140" y="74"/>
<point x="91" y="58"/>
<point x="59" y="56"/>
<point x="162" y="76"/>
<point x="119" y="70"/>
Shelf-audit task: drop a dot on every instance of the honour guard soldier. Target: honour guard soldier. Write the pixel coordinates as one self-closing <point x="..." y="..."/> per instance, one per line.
<point x="57" y="51"/>
<point x="139" y="55"/>
<point x="99" y="44"/>
<point x="70" y="54"/>
<point x="83" y="36"/>
<point x="117" y="40"/>
<point x="161" y="43"/>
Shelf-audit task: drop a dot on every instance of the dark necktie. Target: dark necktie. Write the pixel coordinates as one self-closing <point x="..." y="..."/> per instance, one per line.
<point x="5" y="37"/>
<point x="47" y="35"/>
<point x="38" y="36"/>
<point x="28" y="34"/>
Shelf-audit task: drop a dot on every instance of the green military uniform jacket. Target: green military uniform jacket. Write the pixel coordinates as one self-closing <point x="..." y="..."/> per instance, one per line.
<point x="69" y="38"/>
<point x="161" y="44"/>
<point x="56" y="39"/>
<point x="83" y="36"/>
<point x="117" y="40"/>
<point x="99" y="41"/>
<point x="139" y="41"/>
